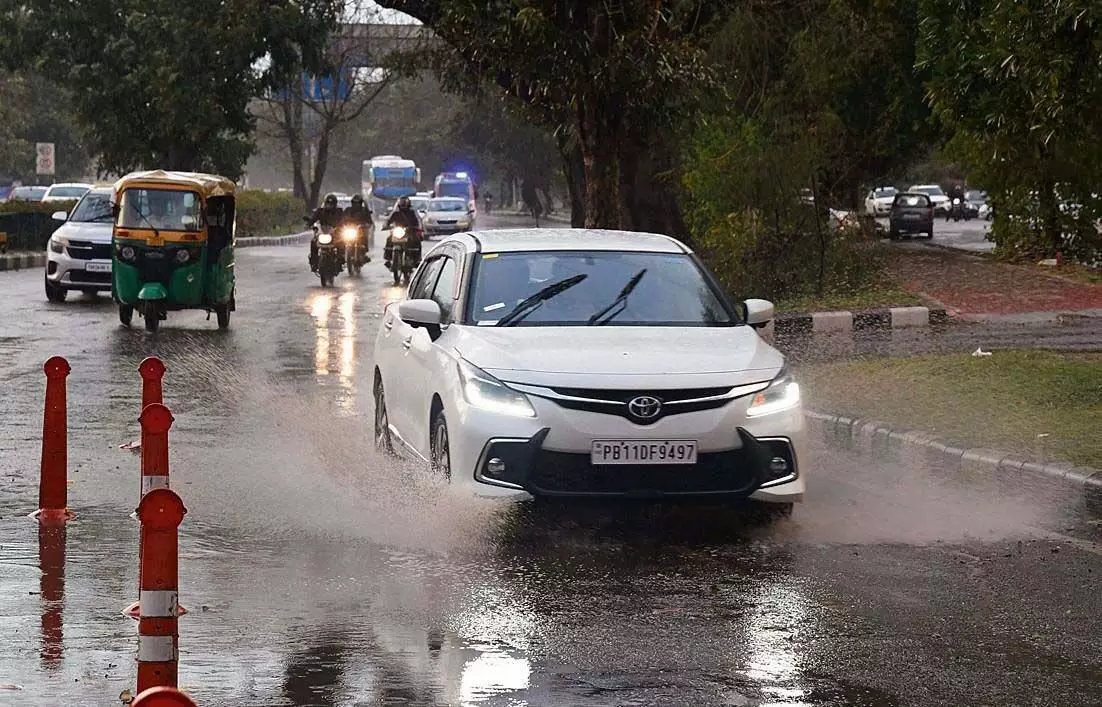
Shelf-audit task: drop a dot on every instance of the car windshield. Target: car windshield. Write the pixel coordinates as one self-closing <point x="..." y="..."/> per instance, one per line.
<point x="95" y="207"/>
<point x="460" y="189"/>
<point x="976" y="195"/>
<point x="912" y="200"/>
<point x="447" y="205"/>
<point x="670" y="291"/>
<point x="162" y="209"/>
<point x="28" y="193"/>
<point x="68" y="192"/>
<point x="931" y="190"/>
<point x="885" y="192"/>
<point x="419" y="204"/>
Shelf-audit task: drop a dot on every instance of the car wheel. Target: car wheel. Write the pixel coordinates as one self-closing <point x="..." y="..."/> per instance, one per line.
<point x="893" y="234"/>
<point x="440" y="448"/>
<point x="383" y="442"/>
<point x="930" y="235"/>
<point x="54" y="293"/>
<point x="126" y="314"/>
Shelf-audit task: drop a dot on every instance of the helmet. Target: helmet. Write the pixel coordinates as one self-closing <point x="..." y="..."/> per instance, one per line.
<point x="330" y="200"/>
<point x="357" y="200"/>
<point x="404" y="203"/>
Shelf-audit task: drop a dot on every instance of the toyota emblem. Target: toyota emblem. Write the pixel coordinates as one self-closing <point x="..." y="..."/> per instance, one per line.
<point x="645" y="407"/>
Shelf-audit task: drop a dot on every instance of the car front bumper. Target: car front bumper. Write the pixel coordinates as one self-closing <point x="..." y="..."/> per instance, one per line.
<point x="69" y="273"/>
<point x="549" y="455"/>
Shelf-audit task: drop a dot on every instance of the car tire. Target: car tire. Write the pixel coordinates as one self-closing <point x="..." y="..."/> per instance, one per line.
<point x="383" y="442"/>
<point x="440" y="446"/>
<point x="893" y="234"/>
<point x="54" y="293"/>
<point x="930" y="235"/>
<point x="126" y="314"/>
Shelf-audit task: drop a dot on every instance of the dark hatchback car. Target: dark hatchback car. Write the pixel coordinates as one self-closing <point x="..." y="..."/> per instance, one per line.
<point x="912" y="212"/>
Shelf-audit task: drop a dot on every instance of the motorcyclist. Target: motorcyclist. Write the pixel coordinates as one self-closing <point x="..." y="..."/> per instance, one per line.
<point x="956" y="198"/>
<point x="329" y="215"/>
<point x="405" y="215"/>
<point x="359" y="214"/>
<point x="489" y="198"/>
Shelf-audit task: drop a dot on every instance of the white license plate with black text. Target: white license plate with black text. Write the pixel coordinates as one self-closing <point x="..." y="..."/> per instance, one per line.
<point x="643" y="451"/>
<point x="97" y="267"/>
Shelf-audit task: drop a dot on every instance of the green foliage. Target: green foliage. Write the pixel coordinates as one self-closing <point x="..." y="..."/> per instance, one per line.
<point x="29" y="225"/>
<point x="159" y="83"/>
<point x="261" y="213"/>
<point x="1021" y="83"/>
<point x="35" y="207"/>
<point x="32" y="110"/>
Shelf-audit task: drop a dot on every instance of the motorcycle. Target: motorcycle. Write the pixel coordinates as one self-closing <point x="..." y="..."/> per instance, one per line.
<point x="355" y="255"/>
<point x="957" y="211"/>
<point x="329" y="257"/>
<point x="402" y="258"/>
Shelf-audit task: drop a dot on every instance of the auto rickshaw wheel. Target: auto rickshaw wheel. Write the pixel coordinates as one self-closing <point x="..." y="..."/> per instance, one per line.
<point x="223" y="314"/>
<point x="152" y="316"/>
<point x="126" y="314"/>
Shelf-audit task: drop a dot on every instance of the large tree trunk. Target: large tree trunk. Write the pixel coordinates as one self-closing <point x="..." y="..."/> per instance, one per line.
<point x="600" y="156"/>
<point x="292" y="114"/>
<point x="573" y="169"/>
<point x="321" y="162"/>
<point x="1050" y="216"/>
<point x="649" y="186"/>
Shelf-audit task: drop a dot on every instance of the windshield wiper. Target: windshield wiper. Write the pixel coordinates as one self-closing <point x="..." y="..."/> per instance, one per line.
<point x="620" y="301"/>
<point x="531" y="303"/>
<point x="143" y="217"/>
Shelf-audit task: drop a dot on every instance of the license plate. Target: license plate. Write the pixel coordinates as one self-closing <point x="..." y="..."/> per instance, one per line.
<point x="97" y="267"/>
<point x="910" y="216"/>
<point x="607" y="452"/>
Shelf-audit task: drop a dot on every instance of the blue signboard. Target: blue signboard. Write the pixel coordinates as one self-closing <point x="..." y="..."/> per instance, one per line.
<point x="324" y="88"/>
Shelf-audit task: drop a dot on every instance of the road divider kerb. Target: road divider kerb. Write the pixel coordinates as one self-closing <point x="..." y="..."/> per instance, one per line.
<point x="846" y="321"/>
<point x="292" y="239"/>
<point x="873" y="434"/>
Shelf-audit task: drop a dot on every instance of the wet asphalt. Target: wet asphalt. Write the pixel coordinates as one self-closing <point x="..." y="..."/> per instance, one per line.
<point x="317" y="573"/>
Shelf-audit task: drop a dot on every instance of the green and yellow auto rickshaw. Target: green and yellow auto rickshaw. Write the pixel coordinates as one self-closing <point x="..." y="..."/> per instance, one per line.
<point x="173" y="245"/>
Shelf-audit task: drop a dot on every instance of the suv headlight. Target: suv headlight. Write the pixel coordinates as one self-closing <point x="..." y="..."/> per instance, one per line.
<point x="782" y="394"/>
<point x="57" y="245"/>
<point x="483" y="391"/>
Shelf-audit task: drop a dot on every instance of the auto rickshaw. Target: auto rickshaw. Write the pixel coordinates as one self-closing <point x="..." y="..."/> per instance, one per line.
<point x="172" y="246"/>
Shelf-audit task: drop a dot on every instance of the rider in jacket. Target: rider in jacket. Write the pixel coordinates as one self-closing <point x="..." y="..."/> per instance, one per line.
<point x="359" y="214"/>
<point x="405" y="215"/>
<point x="329" y="215"/>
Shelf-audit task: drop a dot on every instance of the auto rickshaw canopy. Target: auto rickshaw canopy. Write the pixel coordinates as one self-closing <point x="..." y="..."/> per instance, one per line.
<point x="207" y="185"/>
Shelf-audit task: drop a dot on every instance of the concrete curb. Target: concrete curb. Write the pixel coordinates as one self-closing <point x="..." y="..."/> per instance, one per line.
<point x="884" y="318"/>
<point x="22" y="261"/>
<point x="1082" y="477"/>
<point x="293" y="239"/>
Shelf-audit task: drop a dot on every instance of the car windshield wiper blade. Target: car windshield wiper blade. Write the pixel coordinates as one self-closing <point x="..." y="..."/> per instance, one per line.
<point x="620" y="301"/>
<point x="143" y="217"/>
<point x="531" y="303"/>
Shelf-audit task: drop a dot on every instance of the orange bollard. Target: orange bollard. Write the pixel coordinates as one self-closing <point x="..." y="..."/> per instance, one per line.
<point x="163" y="697"/>
<point x="161" y="511"/>
<point x="152" y="370"/>
<point x="53" y="492"/>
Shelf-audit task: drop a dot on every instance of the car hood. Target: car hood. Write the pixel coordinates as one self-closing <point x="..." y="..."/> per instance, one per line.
<point x="613" y="356"/>
<point x="94" y="232"/>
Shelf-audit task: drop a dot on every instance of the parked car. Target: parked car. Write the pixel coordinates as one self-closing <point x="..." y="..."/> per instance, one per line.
<point x="66" y="191"/>
<point x="27" y="194"/>
<point x="78" y="255"/>
<point x="878" y="202"/>
<point x="912" y="212"/>
<point x="447" y="215"/>
<point x="586" y="363"/>
<point x="938" y="198"/>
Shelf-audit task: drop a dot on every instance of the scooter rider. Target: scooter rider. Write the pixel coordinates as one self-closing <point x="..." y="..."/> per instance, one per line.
<point x="359" y="214"/>
<point x="329" y="215"/>
<point x="405" y="215"/>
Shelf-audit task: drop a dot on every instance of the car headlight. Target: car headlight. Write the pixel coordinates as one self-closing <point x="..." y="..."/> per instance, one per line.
<point x="782" y="394"/>
<point x="325" y="238"/>
<point x="349" y="233"/>
<point x="483" y="391"/>
<point x="57" y="245"/>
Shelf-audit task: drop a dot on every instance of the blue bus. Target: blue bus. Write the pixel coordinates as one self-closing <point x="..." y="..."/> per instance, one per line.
<point x="387" y="178"/>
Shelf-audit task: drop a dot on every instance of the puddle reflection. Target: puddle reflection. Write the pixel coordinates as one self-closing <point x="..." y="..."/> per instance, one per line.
<point x="335" y="342"/>
<point x="51" y="560"/>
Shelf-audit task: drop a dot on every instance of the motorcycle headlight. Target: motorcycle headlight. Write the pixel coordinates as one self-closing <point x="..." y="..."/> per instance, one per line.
<point x="349" y="233"/>
<point x="398" y="233"/>
<point x="782" y="394"/>
<point x="483" y="391"/>
<point x="57" y="245"/>
<point x="325" y="239"/>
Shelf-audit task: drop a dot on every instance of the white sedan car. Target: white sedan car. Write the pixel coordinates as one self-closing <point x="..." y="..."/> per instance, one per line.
<point x="78" y="254"/>
<point x="938" y="198"/>
<point x="580" y="363"/>
<point x="447" y="215"/>
<point x="878" y="202"/>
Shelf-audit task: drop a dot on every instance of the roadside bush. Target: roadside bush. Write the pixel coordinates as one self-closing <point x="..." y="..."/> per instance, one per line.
<point x="28" y="224"/>
<point x="261" y="213"/>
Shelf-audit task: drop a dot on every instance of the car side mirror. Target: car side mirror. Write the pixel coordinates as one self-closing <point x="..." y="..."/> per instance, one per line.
<point x="759" y="312"/>
<point x="60" y="216"/>
<point x="420" y="313"/>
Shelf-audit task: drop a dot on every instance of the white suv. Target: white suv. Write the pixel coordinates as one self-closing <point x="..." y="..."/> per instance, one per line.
<point x="78" y="255"/>
<point x="569" y="362"/>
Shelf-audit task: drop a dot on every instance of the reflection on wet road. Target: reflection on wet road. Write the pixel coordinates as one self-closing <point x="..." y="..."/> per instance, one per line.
<point x="317" y="573"/>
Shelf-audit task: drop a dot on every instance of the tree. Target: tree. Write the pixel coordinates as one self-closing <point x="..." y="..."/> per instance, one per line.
<point x="32" y="110"/>
<point x="616" y="78"/>
<point x="160" y="83"/>
<point x="1021" y="83"/>
<point x="357" y="72"/>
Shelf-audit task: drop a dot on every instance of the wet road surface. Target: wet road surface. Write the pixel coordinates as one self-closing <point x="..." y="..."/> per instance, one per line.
<point x="316" y="573"/>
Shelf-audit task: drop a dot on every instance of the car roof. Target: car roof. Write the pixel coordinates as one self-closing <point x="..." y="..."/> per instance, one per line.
<point x="448" y="198"/>
<point x="70" y="184"/>
<point x="527" y="239"/>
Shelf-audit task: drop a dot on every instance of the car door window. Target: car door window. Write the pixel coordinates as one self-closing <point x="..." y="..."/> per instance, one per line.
<point x="444" y="292"/>
<point x="426" y="279"/>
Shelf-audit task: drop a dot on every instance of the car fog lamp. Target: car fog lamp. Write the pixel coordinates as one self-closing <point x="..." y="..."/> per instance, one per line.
<point x="182" y="256"/>
<point x="325" y="239"/>
<point x="778" y="466"/>
<point x="127" y="252"/>
<point x="782" y="394"/>
<point x="495" y="467"/>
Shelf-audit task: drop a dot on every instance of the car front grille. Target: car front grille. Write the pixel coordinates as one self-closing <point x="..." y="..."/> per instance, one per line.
<point x="86" y="250"/>
<point x="615" y="402"/>
<point x="561" y="473"/>
<point x="98" y="278"/>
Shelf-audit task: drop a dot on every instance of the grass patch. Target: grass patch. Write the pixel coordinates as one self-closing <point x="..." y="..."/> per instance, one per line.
<point x="1003" y="401"/>
<point x="868" y="298"/>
